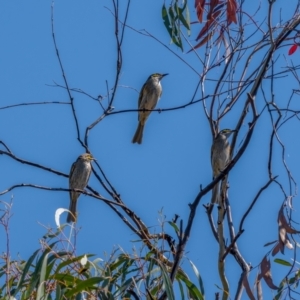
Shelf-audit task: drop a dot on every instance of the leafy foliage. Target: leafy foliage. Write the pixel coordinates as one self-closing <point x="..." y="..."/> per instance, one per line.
<point x="155" y="271"/>
<point x="53" y="272"/>
<point x="173" y="18"/>
<point x="219" y="16"/>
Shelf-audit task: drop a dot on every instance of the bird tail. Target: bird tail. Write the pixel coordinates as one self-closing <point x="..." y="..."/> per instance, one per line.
<point x="215" y="194"/>
<point x="138" y="136"/>
<point x="72" y="215"/>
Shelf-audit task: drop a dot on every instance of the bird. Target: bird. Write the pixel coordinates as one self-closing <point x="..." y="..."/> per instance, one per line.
<point x="78" y="179"/>
<point x="148" y="98"/>
<point x="220" y="155"/>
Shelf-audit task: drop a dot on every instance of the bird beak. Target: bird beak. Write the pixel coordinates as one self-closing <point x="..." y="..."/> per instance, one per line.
<point x="163" y="75"/>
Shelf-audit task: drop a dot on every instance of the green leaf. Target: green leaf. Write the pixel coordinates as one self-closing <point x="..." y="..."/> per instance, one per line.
<point x="105" y="296"/>
<point x="66" y="279"/>
<point x="35" y="276"/>
<point x="181" y="17"/>
<point x="165" y="277"/>
<point x="85" y="285"/>
<point x="25" y="271"/>
<point x="106" y="282"/>
<point x="198" y="277"/>
<point x="282" y="262"/>
<point x="125" y="270"/>
<point x="57" y="233"/>
<point x="122" y="258"/>
<point x="177" y="42"/>
<point x="193" y="290"/>
<point x="181" y="289"/>
<point x="188" y="19"/>
<point x="166" y="20"/>
<point x="174" y="225"/>
<point x="281" y="286"/>
<point x="292" y="280"/>
<point x="150" y="268"/>
<point x="123" y="288"/>
<point x="58" y="293"/>
<point x="171" y="26"/>
<point x="41" y="288"/>
<point x="167" y="282"/>
<point x="70" y="261"/>
<point x="172" y="15"/>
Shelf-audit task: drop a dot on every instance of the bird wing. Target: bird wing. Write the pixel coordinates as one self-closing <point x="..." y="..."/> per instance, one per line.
<point x="141" y="96"/>
<point x="72" y="170"/>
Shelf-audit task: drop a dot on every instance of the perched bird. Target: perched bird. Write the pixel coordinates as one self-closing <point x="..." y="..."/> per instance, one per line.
<point x="149" y="96"/>
<point x="78" y="179"/>
<point x="220" y="155"/>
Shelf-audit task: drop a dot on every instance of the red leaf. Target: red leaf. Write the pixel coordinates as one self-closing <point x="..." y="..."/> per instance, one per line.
<point x="293" y="49"/>
<point x="213" y="4"/>
<point x="277" y="248"/>
<point x="265" y="267"/>
<point x="209" y="25"/>
<point x="199" y="5"/>
<point x="202" y="42"/>
<point x="281" y="218"/>
<point x="231" y="11"/>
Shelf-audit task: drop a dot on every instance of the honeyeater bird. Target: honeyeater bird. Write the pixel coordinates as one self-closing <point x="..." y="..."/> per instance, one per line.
<point x="220" y="155"/>
<point x="149" y="96"/>
<point x="79" y="176"/>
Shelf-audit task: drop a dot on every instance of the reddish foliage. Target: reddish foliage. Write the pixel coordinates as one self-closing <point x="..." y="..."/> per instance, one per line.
<point x="202" y="42"/>
<point x="283" y="222"/>
<point x="283" y="229"/>
<point x="207" y="26"/>
<point x="293" y="49"/>
<point x="199" y="5"/>
<point x="213" y="4"/>
<point x="216" y="8"/>
<point x="265" y="267"/>
<point x="282" y="238"/>
<point x="277" y="248"/>
<point x="231" y="11"/>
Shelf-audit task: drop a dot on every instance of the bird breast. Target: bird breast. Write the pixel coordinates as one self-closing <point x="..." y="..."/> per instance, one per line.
<point x="81" y="174"/>
<point x="152" y="96"/>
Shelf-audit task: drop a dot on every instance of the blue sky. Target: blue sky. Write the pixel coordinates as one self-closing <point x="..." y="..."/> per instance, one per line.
<point x="164" y="173"/>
